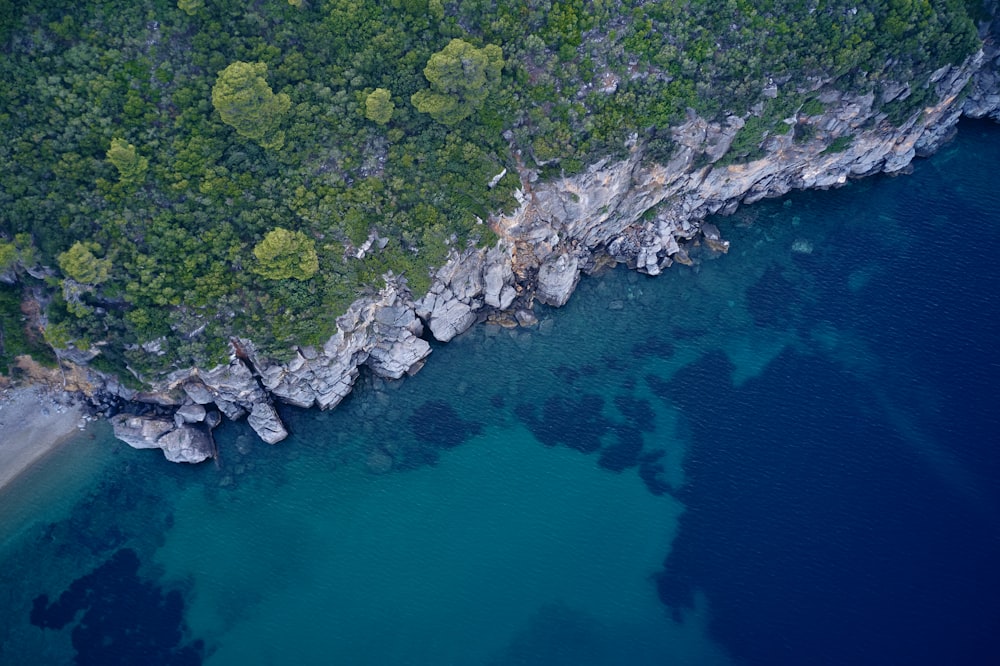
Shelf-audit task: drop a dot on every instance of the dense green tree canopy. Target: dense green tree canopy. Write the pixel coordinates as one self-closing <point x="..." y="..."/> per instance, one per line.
<point x="246" y="102"/>
<point x="131" y="166"/>
<point x="8" y="256"/>
<point x="190" y="7"/>
<point x="461" y="76"/>
<point x="80" y="263"/>
<point x="379" y="106"/>
<point x="98" y="98"/>
<point x="284" y="254"/>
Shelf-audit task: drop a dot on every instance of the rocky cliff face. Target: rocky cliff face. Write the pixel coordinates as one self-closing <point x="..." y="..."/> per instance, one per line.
<point x="645" y="215"/>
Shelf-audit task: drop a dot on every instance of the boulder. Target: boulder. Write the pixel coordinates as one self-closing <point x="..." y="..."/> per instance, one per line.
<point x="557" y="278"/>
<point x="498" y="280"/>
<point x="190" y="413"/>
<point x="199" y="393"/>
<point x="266" y="423"/>
<point x="184" y="443"/>
<point x="449" y="317"/>
<point x="188" y="444"/>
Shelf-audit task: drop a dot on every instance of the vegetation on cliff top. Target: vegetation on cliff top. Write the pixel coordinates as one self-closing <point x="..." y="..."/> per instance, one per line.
<point x="184" y="171"/>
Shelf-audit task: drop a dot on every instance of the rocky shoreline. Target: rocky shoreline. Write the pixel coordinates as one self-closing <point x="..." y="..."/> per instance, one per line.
<point x="645" y="215"/>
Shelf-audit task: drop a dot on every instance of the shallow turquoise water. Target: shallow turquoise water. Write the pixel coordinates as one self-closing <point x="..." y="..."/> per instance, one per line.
<point x="725" y="464"/>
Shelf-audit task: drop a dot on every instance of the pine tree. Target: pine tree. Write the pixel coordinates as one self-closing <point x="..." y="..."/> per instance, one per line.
<point x="246" y="103"/>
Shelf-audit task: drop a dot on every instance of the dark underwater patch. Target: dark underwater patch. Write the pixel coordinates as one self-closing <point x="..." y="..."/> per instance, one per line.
<point x="817" y="534"/>
<point x="772" y="300"/>
<point x="637" y="412"/>
<point x="435" y="426"/>
<point x="577" y="423"/>
<point x="125" y="619"/>
<point x="566" y="374"/>
<point x="625" y="452"/>
<point x="437" y="423"/>
<point x="651" y="471"/>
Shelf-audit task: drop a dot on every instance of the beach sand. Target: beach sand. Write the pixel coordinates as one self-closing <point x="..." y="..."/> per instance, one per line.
<point x="34" y="422"/>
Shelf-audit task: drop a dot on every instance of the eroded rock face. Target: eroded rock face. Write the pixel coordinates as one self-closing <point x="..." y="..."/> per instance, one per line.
<point x="179" y="443"/>
<point x="573" y="225"/>
<point x="266" y="423"/>
<point x="604" y="209"/>
<point x="557" y="278"/>
<point x="380" y="333"/>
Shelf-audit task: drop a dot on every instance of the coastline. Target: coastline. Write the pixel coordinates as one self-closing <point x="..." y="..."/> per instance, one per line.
<point x="34" y="422"/>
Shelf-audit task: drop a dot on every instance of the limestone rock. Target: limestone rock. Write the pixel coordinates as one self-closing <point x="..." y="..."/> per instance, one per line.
<point x="713" y="239"/>
<point x="382" y="333"/>
<point x="575" y="224"/>
<point x="199" y="393"/>
<point x="557" y="279"/>
<point x="188" y="444"/>
<point x="190" y="413"/>
<point x="450" y="307"/>
<point x="498" y="280"/>
<point x="185" y="443"/>
<point x="266" y="423"/>
<point x="449" y="316"/>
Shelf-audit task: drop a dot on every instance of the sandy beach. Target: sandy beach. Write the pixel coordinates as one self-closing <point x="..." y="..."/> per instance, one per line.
<point x="34" y="421"/>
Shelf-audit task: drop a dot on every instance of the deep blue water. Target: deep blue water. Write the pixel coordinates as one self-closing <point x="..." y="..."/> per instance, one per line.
<point x="787" y="455"/>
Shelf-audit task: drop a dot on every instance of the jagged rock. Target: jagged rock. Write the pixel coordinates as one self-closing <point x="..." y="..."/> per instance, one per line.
<point x="449" y="316"/>
<point x="381" y="333"/>
<point x="399" y="358"/>
<point x="188" y="444"/>
<point x="557" y="279"/>
<point x="198" y="393"/>
<point x="565" y="226"/>
<point x="266" y="423"/>
<point x="213" y="419"/>
<point x="498" y="280"/>
<point x="189" y="414"/>
<point x="169" y="398"/>
<point x="234" y="383"/>
<point x="450" y="307"/>
<point x="140" y="432"/>
<point x="231" y="411"/>
<point x="713" y="239"/>
<point x="184" y="443"/>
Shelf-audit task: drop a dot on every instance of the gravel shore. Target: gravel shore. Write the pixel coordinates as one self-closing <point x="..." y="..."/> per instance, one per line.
<point x="34" y="422"/>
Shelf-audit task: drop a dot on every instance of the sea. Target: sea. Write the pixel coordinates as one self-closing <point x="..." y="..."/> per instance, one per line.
<point x="789" y="454"/>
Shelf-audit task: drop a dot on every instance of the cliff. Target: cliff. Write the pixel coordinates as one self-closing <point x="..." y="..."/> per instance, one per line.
<point x="646" y="215"/>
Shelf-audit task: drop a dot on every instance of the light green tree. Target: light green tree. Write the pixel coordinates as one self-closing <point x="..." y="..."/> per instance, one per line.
<point x="461" y="77"/>
<point x="8" y="255"/>
<point x="80" y="263"/>
<point x="131" y="166"/>
<point x="379" y="106"/>
<point x="190" y="7"/>
<point x="284" y="254"/>
<point x="246" y="103"/>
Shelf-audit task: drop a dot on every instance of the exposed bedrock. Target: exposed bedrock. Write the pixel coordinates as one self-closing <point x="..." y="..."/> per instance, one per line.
<point x="632" y="211"/>
<point x="179" y="442"/>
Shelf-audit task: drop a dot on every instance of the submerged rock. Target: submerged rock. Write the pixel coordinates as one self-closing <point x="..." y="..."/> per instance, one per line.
<point x="579" y="223"/>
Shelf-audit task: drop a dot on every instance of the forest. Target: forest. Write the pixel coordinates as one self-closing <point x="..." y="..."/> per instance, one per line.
<point x="177" y="172"/>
